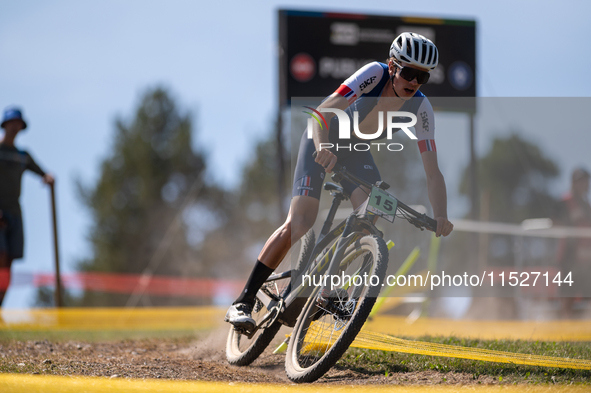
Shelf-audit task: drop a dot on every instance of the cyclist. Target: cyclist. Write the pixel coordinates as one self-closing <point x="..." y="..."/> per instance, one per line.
<point x="412" y="56"/>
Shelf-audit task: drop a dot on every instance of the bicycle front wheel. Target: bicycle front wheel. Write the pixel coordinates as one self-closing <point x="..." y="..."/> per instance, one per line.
<point x="332" y="317"/>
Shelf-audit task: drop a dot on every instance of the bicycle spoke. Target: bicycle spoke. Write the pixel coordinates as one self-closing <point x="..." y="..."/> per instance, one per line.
<point x="326" y="324"/>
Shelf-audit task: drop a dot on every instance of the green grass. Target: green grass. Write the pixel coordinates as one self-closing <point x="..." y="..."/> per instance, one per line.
<point x="369" y="362"/>
<point x="372" y="362"/>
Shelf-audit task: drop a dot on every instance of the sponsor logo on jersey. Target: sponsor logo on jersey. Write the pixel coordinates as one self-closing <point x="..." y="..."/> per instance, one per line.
<point x="367" y="82"/>
<point x="367" y="167"/>
<point x="425" y="119"/>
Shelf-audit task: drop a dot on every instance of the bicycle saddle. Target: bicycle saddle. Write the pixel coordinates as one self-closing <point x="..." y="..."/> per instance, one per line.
<point x="330" y="186"/>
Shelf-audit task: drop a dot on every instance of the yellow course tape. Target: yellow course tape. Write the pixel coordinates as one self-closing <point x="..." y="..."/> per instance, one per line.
<point x="377" y="334"/>
<point x="371" y="340"/>
<point x="324" y="338"/>
<point x="187" y="318"/>
<point x="179" y="318"/>
<point x="11" y="383"/>
<point x="484" y="330"/>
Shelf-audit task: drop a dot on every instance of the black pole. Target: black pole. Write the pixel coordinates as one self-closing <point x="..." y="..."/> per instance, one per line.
<point x="282" y="100"/>
<point x="474" y="197"/>
<point x="58" y="280"/>
<point x="280" y="165"/>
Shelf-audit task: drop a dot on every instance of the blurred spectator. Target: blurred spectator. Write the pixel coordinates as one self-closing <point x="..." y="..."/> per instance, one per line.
<point x="13" y="162"/>
<point x="574" y="254"/>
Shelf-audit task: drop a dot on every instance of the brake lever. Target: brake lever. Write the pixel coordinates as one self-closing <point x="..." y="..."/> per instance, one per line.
<point x="417" y="223"/>
<point x="431" y="223"/>
<point x="424" y="222"/>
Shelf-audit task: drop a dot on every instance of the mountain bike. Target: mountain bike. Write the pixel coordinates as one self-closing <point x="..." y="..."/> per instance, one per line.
<point x="326" y="316"/>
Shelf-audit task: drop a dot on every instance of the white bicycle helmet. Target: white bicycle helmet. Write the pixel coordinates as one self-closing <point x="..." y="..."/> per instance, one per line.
<point x="415" y="49"/>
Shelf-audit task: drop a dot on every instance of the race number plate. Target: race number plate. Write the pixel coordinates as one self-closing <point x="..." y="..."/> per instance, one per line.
<point x="382" y="204"/>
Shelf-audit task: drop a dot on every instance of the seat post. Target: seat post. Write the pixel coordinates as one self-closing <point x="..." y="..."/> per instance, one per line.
<point x="336" y="201"/>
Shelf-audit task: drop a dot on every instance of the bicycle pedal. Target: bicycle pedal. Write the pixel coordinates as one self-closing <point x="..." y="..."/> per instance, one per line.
<point x="243" y="331"/>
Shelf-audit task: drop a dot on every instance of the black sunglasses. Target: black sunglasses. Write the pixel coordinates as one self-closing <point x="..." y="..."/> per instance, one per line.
<point x="409" y="74"/>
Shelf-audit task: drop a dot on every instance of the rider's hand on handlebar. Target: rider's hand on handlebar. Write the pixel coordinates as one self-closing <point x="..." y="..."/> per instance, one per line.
<point x="444" y="226"/>
<point x="326" y="158"/>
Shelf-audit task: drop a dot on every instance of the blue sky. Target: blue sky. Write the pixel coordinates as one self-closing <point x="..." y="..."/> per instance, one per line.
<point x="76" y="66"/>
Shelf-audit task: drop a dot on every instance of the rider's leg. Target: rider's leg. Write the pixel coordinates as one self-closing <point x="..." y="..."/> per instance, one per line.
<point x="308" y="179"/>
<point x="301" y="217"/>
<point x="358" y="196"/>
<point x="363" y="166"/>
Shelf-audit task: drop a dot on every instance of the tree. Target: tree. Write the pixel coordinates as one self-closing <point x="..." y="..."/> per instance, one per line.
<point x="252" y="216"/>
<point x="516" y="174"/>
<point x="150" y="190"/>
<point x="514" y="180"/>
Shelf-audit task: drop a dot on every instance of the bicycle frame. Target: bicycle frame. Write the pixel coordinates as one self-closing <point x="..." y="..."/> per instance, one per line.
<point x="341" y="237"/>
<point x="287" y="307"/>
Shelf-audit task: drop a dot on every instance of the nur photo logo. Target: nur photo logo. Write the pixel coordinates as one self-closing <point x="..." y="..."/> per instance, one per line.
<point x="395" y="121"/>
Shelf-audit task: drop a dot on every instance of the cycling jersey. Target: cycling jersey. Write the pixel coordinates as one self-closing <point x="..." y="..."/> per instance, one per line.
<point x="362" y="90"/>
<point x="309" y="175"/>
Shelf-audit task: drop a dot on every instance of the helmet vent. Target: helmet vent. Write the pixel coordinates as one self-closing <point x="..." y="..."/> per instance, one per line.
<point x="415" y="49"/>
<point x="424" y="54"/>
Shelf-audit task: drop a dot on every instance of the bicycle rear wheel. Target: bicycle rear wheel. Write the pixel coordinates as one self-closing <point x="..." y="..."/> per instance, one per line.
<point x="241" y="350"/>
<point x="331" y="320"/>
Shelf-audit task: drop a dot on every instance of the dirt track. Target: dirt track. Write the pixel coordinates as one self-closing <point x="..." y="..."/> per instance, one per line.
<point x="183" y="360"/>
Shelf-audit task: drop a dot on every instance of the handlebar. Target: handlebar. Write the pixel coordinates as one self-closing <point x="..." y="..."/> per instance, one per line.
<point x="417" y="219"/>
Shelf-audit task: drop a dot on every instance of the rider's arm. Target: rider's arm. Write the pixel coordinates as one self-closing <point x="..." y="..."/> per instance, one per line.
<point x="437" y="192"/>
<point x="335" y="100"/>
<point x="425" y="131"/>
<point x="324" y="156"/>
<point x="361" y="82"/>
<point x="435" y="184"/>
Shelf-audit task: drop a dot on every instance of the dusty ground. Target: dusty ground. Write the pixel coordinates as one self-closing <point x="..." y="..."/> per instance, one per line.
<point x="183" y="360"/>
